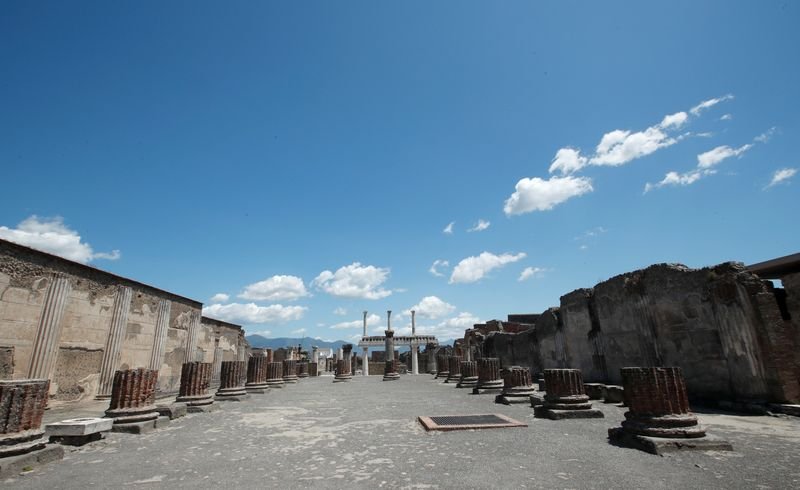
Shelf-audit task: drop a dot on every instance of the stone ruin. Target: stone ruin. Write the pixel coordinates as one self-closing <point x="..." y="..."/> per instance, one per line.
<point x="517" y="386"/>
<point x="489" y="380"/>
<point x="132" y="403"/>
<point x="469" y="375"/>
<point x="195" y="383"/>
<point x="233" y="376"/>
<point x="565" y="397"/>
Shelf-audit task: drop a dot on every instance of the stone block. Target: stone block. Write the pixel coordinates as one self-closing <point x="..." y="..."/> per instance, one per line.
<point x="661" y="445"/>
<point x="786" y="408"/>
<point x="614" y="394"/>
<point x="554" y="414"/>
<point x="13" y="465"/>
<point x="79" y="427"/>
<point x="212" y="407"/>
<point x="173" y="410"/>
<point x="596" y="391"/>
<point x="77" y="440"/>
<point x="135" y="427"/>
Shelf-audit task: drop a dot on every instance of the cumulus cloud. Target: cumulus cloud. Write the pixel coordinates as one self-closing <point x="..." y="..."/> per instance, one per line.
<point x="677" y="179"/>
<point x="220" y="298"/>
<point x="372" y="320"/>
<point x="531" y="272"/>
<point x="781" y="176"/>
<point x="340" y="311"/>
<point x="449" y="228"/>
<point x="473" y="269"/>
<point x="674" y="120"/>
<point x="53" y="236"/>
<point x="276" y="288"/>
<point x="480" y="226"/>
<point x="446" y="329"/>
<point x="621" y="146"/>
<point x="431" y="307"/>
<point x="535" y="194"/>
<point x="718" y="154"/>
<point x="354" y="281"/>
<point x="567" y="161"/>
<point x="706" y="104"/>
<point x="435" y="267"/>
<point x="252" y="313"/>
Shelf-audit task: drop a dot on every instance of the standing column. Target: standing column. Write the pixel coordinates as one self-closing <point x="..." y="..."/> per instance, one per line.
<point x="191" y="337"/>
<point x="48" y="332"/>
<point x="390" y="371"/>
<point x="119" y="322"/>
<point x="365" y="362"/>
<point x="430" y="349"/>
<point x="216" y="376"/>
<point x="414" y="345"/>
<point x="160" y="338"/>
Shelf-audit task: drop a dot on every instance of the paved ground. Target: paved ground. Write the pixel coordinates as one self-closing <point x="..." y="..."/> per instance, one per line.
<point x="364" y="434"/>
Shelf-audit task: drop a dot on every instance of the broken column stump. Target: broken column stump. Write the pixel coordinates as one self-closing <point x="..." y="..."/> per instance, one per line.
<point x="489" y="380"/>
<point x="391" y="372"/>
<point x="22" y="441"/>
<point x="257" y="375"/>
<point x="595" y="391"/>
<point x="658" y="419"/>
<point x="290" y="371"/>
<point x="442" y="364"/>
<point x="454" y="369"/>
<point x="342" y="371"/>
<point x="274" y="375"/>
<point x="517" y="386"/>
<point x="133" y="401"/>
<point x="313" y="369"/>
<point x="232" y="378"/>
<point x="565" y="397"/>
<point x="195" y="380"/>
<point x="469" y="375"/>
<point x="302" y="369"/>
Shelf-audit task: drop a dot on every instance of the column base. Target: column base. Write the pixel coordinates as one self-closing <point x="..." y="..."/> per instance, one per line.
<point x="442" y="374"/>
<point x="495" y="386"/>
<point x="290" y="379"/>
<point x="470" y="382"/>
<point x="519" y="396"/>
<point x="132" y="415"/>
<point x="275" y="383"/>
<point x="12" y="466"/>
<point x="661" y="445"/>
<point x="135" y="427"/>
<point x="391" y="377"/>
<point x="193" y="401"/>
<point x="543" y="412"/>
<point x="237" y="394"/>
<point x="453" y="378"/>
<point x="258" y="388"/>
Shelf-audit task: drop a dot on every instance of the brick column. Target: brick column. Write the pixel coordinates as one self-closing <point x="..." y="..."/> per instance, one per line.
<point x="565" y="397"/>
<point x="275" y="375"/>
<point x="342" y="371"/>
<point x="489" y="379"/>
<point x="517" y="386"/>
<point x="195" y="380"/>
<point x="443" y="365"/>
<point x="454" y="369"/>
<point x="313" y="369"/>
<point x="231" y="381"/>
<point x="22" y="405"/>
<point x="116" y="334"/>
<point x="390" y="371"/>
<point x="469" y="375"/>
<point x="290" y="371"/>
<point x="132" y="403"/>
<point x="302" y="369"/>
<point x="430" y="350"/>
<point x="257" y="375"/>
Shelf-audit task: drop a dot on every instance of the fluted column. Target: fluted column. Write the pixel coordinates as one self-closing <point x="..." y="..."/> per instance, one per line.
<point x="289" y="371"/>
<point x="116" y="334"/>
<point x="430" y="350"/>
<point x="565" y="397"/>
<point x="22" y="406"/>
<point x="390" y="371"/>
<point x="232" y="380"/>
<point x="275" y="375"/>
<point x="195" y="381"/>
<point x="517" y="386"/>
<point x="133" y="397"/>
<point x="443" y="365"/>
<point x="160" y="337"/>
<point x="489" y="379"/>
<point x="469" y="375"/>
<point x="343" y="369"/>
<point x="454" y="369"/>
<point x="365" y="362"/>
<point x="48" y="332"/>
<point x="257" y="375"/>
<point x="216" y="373"/>
<point x="191" y="337"/>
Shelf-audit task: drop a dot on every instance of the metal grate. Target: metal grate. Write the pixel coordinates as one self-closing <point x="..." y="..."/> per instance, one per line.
<point x="465" y="422"/>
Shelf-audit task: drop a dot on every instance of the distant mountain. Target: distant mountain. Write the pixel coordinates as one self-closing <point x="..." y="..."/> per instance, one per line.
<point x="306" y="342"/>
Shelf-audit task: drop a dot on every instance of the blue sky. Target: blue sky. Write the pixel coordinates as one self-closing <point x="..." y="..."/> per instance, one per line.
<point x="305" y="158"/>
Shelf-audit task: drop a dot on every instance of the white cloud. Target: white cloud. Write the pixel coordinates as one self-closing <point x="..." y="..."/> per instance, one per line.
<point x="535" y="194"/>
<point x="354" y="281"/>
<point x="450" y="328"/>
<point x="53" y="236"/>
<point x="299" y="331"/>
<point x="220" y="298"/>
<point x="674" y="120"/>
<point x="621" y="146"/>
<point x="480" y="226"/>
<point x="596" y="231"/>
<point x="473" y="269"/>
<point x="567" y="161"/>
<point x="766" y="135"/>
<point x="531" y="272"/>
<point x="435" y="267"/>
<point x="372" y="320"/>
<point x="276" y="288"/>
<point x="252" y="313"/>
<point x="781" y="176"/>
<point x="718" y="154"/>
<point x="431" y="307"/>
<point x="449" y="228"/>
<point x="676" y="179"/>
<point x="263" y="333"/>
<point x="696" y="110"/>
<point x="726" y="117"/>
<point x="340" y="311"/>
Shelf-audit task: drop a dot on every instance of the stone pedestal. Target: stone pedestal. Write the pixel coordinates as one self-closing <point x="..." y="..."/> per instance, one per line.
<point x="342" y="371"/>
<point x="275" y="375"/>
<point x="78" y="432"/>
<point x="453" y="369"/>
<point x="195" y="380"/>
<point x="313" y="369"/>
<point x="469" y="375"/>
<point x="443" y="366"/>
<point x="489" y="380"/>
<point x="22" y="441"/>
<point x="257" y="375"/>
<point x="658" y="418"/>
<point x="302" y="369"/>
<point x="390" y="372"/>
<point x="231" y="381"/>
<point x="517" y="386"/>
<point x="290" y="371"/>
<point x="133" y="401"/>
<point x="565" y="397"/>
<point x="430" y="350"/>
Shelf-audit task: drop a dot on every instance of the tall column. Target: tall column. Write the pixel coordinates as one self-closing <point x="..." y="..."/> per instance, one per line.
<point x="216" y="371"/>
<point x="365" y="362"/>
<point x="116" y="334"/>
<point x="191" y="337"/>
<point x="431" y="351"/>
<point x="390" y="371"/>
<point x="365" y="324"/>
<point x="414" y="346"/>
<point x="160" y="338"/>
<point x="315" y="354"/>
<point x="48" y="332"/>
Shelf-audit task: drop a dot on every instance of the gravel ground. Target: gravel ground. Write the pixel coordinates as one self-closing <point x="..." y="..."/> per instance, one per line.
<point x="364" y="434"/>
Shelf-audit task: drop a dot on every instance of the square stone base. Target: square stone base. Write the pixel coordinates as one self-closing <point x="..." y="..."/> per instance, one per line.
<point x="509" y="399"/>
<point x="14" y="465"/>
<point x="662" y="445"/>
<point x="77" y="440"/>
<point x="213" y="407"/>
<point x="173" y="410"/>
<point x="537" y="400"/>
<point x="548" y="413"/>
<point x="481" y="391"/>
<point x="135" y="427"/>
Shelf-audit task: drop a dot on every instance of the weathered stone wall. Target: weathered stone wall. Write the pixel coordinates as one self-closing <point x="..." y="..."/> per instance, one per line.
<point x="85" y="325"/>
<point x="722" y="325"/>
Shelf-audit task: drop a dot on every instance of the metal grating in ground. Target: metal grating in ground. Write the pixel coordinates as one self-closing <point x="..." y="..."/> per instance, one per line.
<point x="465" y="422"/>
